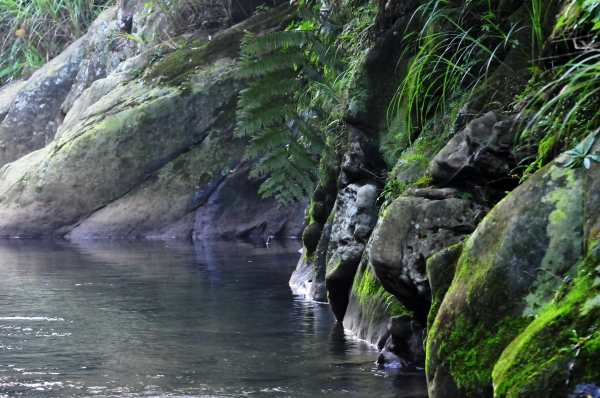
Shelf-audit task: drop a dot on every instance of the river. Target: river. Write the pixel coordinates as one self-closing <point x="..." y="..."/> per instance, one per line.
<point x="174" y="319"/>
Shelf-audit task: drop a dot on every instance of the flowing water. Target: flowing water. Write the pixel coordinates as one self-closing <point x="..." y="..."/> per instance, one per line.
<point x="174" y="319"/>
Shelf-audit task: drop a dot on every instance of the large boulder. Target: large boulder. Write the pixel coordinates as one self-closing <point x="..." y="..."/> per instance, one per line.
<point x="510" y="268"/>
<point x="412" y="229"/>
<point x="137" y="157"/>
<point x="370" y="306"/>
<point x="34" y="114"/>
<point x="487" y="150"/>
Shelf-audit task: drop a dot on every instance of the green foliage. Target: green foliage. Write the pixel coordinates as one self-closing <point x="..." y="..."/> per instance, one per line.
<point x="288" y="100"/>
<point x="293" y="107"/>
<point x="456" y="48"/>
<point x="35" y="31"/>
<point x="564" y="107"/>
<point x="580" y="154"/>
<point x="392" y="189"/>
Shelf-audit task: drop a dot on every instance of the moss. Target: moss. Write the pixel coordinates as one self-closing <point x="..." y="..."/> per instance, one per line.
<point x="175" y="68"/>
<point x="424" y="181"/>
<point x="368" y="289"/>
<point x="440" y="271"/>
<point x="545" y="355"/>
<point x="414" y="161"/>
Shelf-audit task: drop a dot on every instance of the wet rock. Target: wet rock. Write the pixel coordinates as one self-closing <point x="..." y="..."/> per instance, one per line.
<point x="302" y="278"/>
<point x="411" y="230"/>
<point x="586" y="391"/>
<point x="236" y="209"/>
<point x="404" y="348"/>
<point x="441" y="268"/>
<point x="370" y="306"/>
<point x="355" y="217"/>
<point x="487" y="150"/>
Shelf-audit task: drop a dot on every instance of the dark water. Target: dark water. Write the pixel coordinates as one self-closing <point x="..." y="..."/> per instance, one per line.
<point x="149" y="319"/>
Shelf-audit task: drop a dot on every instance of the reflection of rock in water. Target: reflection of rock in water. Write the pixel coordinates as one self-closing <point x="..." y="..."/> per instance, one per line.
<point x="338" y="343"/>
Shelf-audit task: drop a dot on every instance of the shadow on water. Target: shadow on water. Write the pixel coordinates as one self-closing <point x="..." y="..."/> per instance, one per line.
<point x="179" y="319"/>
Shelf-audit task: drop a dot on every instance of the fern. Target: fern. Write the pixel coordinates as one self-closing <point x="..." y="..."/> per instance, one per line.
<point x="280" y="110"/>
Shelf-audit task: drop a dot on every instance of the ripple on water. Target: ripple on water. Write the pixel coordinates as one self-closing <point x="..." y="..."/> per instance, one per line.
<point x="139" y="319"/>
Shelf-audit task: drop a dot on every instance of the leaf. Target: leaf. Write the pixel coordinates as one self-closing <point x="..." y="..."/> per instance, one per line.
<point x="595" y="158"/>
<point x="568" y="164"/>
<point x="584" y="146"/>
<point x="586" y="163"/>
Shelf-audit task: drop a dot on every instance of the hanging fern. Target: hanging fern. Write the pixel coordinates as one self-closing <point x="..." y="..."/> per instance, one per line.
<point x="280" y="111"/>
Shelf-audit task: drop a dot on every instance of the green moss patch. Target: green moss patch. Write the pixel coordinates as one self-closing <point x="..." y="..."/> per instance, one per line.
<point x="561" y="348"/>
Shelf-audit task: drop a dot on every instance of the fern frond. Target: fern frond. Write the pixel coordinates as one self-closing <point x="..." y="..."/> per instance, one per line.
<point x="267" y="140"/>
<point x="267" y="91"/>
<point x="250" y="123"/>
<point x="313" y="138"/>
<point x="270" y="163"/>
<point x="274" y="63"/>
<point x="276" y="41"/>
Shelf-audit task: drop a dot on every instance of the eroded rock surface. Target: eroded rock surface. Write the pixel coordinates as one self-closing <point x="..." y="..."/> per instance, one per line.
<point x="485" y="151"/>
<point x="355" y="217"/>
<point x="510" y="268"/>
<point x="410" y="231"/>
<point x="136" y="157"/>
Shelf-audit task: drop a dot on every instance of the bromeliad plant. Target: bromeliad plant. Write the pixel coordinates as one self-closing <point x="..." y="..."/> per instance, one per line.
<point x="581" y="153"/>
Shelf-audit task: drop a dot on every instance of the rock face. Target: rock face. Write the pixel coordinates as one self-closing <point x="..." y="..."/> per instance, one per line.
<point x="510" y="268"/>
<point x="136" y="157"/>
<point x="410" y="231"/>
<point x="404" y="348"/>
<point x="355" y="217"/>
<point x="483" y="152"/>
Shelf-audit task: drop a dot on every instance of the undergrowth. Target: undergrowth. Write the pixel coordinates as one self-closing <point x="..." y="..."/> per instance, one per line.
<point x="35" y="31"/>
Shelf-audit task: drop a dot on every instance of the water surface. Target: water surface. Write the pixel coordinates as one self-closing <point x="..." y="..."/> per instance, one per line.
<point x="175" y="319"/>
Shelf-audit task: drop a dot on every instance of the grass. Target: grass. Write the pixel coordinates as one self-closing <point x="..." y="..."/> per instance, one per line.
<point x="449" y="61"/>
<point x="35" y="31"/>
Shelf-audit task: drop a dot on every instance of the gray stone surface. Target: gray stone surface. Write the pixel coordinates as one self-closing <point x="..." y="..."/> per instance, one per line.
<point x="410" y="231"/>
<point x="355" y="217"/>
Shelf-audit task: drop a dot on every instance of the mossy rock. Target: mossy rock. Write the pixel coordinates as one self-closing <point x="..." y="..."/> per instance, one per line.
<point x="122" y="134"/>
<point x="561" y="347"/>
<point x="509" y="269"/>
<point x="371" y="306"/>
<point x="440" y="272"/>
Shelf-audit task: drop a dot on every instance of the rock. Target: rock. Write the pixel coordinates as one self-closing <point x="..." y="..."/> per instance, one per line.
<point x="484" y="152"/>
<point x="235" y="209"/>
<point x="302" y="278"/>
<point x="311" y="235"/>
<point x="355" y="217"/>
<point x="404" y="347"/>
<point x="432" y="193"/>
<point x="370" y="306"/>
<point x="362" y="159"/>
<point x="34" y="114"/>
<point x="390" y="360"/>
<point x="586" y="391"/>
<point x="510" y="268"/>
<point x="440" y="272"/>
<point x="121" y="141"/>
<point x="411" y="230"/>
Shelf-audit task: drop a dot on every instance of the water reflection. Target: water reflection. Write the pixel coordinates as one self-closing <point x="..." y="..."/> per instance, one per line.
<point x="204" y="319"/>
